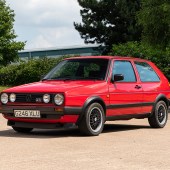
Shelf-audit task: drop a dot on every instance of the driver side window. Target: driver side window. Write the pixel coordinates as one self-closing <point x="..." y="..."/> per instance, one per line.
<point x="125" y="68"/>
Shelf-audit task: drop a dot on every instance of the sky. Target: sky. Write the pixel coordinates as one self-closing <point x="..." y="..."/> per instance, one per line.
<point x="46" y="23"/>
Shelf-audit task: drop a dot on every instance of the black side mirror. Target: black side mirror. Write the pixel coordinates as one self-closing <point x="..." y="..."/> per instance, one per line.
<point x="117" y="77"/>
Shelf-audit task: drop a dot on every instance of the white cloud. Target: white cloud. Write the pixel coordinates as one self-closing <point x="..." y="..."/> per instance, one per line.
<point x="44" y="23"/>
<point x="55" y="37"/>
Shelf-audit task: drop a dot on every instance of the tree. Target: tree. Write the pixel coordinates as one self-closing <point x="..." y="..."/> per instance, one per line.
<point x="109" y="22"/>
<point x="154" y="17"/>
<point x="161" y="57"/>
<point x="9" y="47"/>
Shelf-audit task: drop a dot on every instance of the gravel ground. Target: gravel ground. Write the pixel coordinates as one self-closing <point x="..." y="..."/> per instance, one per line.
<point x="122" y="145"/>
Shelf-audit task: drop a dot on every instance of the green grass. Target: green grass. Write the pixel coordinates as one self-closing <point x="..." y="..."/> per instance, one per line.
<point x="3" y="87"/>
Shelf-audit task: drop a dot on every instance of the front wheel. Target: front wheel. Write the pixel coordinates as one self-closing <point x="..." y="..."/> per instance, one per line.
<point x="160" y="115"/>
<point x="22" y="130"/>
<point x="93" y="120"/>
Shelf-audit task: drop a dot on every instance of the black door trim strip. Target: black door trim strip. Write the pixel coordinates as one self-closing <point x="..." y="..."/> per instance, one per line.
<point x="118" y="106"/>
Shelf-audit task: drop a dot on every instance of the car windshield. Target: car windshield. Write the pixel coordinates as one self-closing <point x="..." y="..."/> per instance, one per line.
<point x="79" y="69"/>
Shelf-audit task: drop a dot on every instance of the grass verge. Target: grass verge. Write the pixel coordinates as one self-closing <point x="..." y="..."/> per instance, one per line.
<point x="3" y="87"/>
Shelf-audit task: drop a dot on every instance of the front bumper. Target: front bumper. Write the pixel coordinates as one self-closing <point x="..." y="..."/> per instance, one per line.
<point x="48" y="114"/>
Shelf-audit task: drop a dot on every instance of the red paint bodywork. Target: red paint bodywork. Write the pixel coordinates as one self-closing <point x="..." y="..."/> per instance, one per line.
<point x="78" y="92"/>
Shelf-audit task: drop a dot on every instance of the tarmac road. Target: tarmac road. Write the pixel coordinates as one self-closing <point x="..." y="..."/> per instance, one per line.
<point x="129" y="145"/>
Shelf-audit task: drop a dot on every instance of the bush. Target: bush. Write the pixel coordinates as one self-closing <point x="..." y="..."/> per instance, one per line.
<point x="27" y="72"/>
<point x="135" y="49"/>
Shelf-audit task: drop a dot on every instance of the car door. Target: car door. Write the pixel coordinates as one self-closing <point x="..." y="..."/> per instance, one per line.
<point x="151" y="84"/>
<point x="126" y="96"/>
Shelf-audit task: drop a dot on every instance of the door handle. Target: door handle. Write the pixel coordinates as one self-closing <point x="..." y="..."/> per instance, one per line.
<point x="138" y="87"/>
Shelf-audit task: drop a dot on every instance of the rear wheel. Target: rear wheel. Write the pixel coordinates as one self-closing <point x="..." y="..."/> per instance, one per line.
<point x="160" y="115"/>
<point x="22" y="130"/>
<point x="92" y="122"/>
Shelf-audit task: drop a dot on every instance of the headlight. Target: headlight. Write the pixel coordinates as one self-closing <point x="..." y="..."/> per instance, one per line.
<point x="4" y="98"/>
<point x="58" y="99"/>
<point x="46" y="98"/>
<point x="12" y="97"/>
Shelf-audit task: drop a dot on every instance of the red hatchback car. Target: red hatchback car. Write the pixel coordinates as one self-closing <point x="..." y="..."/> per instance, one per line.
<point x="88" y="91"/>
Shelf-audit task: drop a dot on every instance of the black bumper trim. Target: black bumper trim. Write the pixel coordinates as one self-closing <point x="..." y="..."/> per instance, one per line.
<point x="72" y="110"/>
<point x="43" y="110"/>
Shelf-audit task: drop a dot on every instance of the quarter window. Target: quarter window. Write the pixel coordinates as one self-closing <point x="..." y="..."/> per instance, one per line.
<point x="146" y="72"/>
<point x="125" y="68"/>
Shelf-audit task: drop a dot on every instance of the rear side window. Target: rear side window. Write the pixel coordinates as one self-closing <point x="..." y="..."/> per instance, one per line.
<point x="125" y="68"/>
<point x="146" y="72"/>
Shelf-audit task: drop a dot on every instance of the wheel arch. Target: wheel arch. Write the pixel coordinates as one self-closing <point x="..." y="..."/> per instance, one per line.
<point x="89" y="101"/>
<point x="159" y="98"/>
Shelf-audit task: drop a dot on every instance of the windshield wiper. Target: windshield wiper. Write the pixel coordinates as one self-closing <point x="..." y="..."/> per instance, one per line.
<point x="95" y="78"/>
<point x="62" y="78"/>
<point x="45" y="79"/>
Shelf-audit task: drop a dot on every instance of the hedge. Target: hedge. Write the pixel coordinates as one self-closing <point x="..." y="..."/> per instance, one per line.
<point x="27" y="72"/>
<point x="32" y="70"/>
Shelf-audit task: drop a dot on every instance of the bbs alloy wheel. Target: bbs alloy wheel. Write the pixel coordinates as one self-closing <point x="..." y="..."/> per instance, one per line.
<point x="93" y="121"/>
<point x="95" y="117"/>
<point x="160" y="115"/>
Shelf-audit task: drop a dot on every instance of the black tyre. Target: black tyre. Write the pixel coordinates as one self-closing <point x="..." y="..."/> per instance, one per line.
<point x="93" y="120"/>
<point x="160" y="115"/>
<point x="22" y="130"/>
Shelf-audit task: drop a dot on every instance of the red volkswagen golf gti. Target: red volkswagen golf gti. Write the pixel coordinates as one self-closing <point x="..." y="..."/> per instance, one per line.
<point x="87" y="91"/>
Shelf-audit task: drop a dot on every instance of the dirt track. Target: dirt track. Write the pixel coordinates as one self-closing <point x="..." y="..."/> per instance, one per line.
<point x="122" y="145"/>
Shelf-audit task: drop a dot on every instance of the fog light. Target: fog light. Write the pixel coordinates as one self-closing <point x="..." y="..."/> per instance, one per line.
<point x="12" y="97"/>
<point x="46" y="98"/>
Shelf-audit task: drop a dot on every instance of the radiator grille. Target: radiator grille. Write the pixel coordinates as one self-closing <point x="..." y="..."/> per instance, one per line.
<point x="30" y="98"/>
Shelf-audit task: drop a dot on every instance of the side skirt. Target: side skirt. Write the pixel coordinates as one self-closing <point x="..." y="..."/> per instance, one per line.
<point x="128" y="117"/>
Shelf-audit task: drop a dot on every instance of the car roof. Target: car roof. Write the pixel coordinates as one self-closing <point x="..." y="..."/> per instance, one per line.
<point x="109" y="58"/>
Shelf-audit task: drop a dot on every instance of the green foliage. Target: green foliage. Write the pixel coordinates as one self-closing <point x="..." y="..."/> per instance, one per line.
<point x="3" y="88"/>
<point x="140" y="50"/>
<point x="107" y="22"/>
<point x="154" y="17"/>
<point x="8" y="46"/>
<point x="26" y="72"/>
